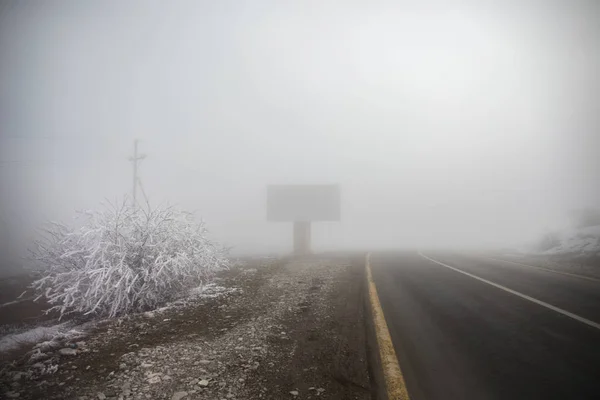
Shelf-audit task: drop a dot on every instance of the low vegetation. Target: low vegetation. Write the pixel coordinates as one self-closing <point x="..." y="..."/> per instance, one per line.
<point x="124" y="258"/>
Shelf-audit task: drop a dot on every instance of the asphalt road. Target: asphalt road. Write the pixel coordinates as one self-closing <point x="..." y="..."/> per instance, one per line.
<point x="458" y="337"/>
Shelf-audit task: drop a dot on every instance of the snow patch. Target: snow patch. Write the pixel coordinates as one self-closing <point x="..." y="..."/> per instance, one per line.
<point x="581" y="241"/>
<point x="30" y="337"/>
<point x="43" y="338"/>
<point x="210" y="291"/>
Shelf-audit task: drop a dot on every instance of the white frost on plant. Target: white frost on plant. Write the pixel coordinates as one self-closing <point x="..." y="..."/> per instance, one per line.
<point x="125" y="259"/>
<point x="12" y="303"/>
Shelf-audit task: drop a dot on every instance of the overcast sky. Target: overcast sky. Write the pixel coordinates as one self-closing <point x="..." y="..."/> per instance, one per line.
<point x="476" y="122"/>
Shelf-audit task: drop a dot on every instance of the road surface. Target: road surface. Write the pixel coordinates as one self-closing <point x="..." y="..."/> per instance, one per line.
<point x="475" y="328"/>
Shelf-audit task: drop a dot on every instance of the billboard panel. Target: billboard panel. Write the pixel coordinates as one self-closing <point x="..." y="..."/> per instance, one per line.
<point x="303" y="203"/>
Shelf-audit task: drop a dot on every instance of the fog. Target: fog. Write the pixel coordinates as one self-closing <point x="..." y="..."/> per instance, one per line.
<point x="444" y="124"/>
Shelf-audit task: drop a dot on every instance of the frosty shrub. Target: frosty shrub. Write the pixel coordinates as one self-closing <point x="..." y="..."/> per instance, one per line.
<point x="123" y="259"/>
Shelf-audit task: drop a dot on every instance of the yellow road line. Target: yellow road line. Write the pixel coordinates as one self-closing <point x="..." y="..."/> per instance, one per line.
<point x="394" y="381"/>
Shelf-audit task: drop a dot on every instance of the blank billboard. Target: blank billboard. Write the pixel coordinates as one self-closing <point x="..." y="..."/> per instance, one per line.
<point x="303" y="203"/>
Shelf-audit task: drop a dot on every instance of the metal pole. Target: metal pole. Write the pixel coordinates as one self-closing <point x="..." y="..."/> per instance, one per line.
<point x="135" y="161"/>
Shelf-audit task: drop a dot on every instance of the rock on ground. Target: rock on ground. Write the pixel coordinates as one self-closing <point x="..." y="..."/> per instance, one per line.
<point x="287" y="326"/>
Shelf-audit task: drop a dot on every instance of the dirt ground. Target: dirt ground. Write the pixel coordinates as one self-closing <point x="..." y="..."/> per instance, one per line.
<point x="278" y="329"/>
<point x="16" y="301"/>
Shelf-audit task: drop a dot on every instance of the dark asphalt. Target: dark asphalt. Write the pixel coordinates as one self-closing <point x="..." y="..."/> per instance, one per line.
<point x="459" y="338"/>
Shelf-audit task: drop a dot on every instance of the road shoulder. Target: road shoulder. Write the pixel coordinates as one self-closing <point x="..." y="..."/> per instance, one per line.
<point x="287" y="329"/>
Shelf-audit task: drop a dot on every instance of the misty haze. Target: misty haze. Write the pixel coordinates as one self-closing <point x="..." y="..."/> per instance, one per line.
<point x="314" y="199"/>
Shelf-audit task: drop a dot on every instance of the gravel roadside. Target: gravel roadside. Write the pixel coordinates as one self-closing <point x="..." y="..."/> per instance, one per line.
<point x="278" y="329"/>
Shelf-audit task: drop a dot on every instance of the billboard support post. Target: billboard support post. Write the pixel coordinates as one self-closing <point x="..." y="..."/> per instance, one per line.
<point x="302" y="205"/>
<point x="301" y="237"/>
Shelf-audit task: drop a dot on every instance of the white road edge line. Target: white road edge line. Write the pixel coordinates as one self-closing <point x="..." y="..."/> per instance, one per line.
<point x="589" y="278"/>
<point x="524" y="296"/>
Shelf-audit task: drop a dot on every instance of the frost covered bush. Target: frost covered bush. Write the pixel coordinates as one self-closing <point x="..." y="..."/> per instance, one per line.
<point x="123" y="259"/>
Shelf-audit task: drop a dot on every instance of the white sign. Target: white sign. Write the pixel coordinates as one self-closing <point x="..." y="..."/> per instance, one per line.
<point x="303" y="203"/>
